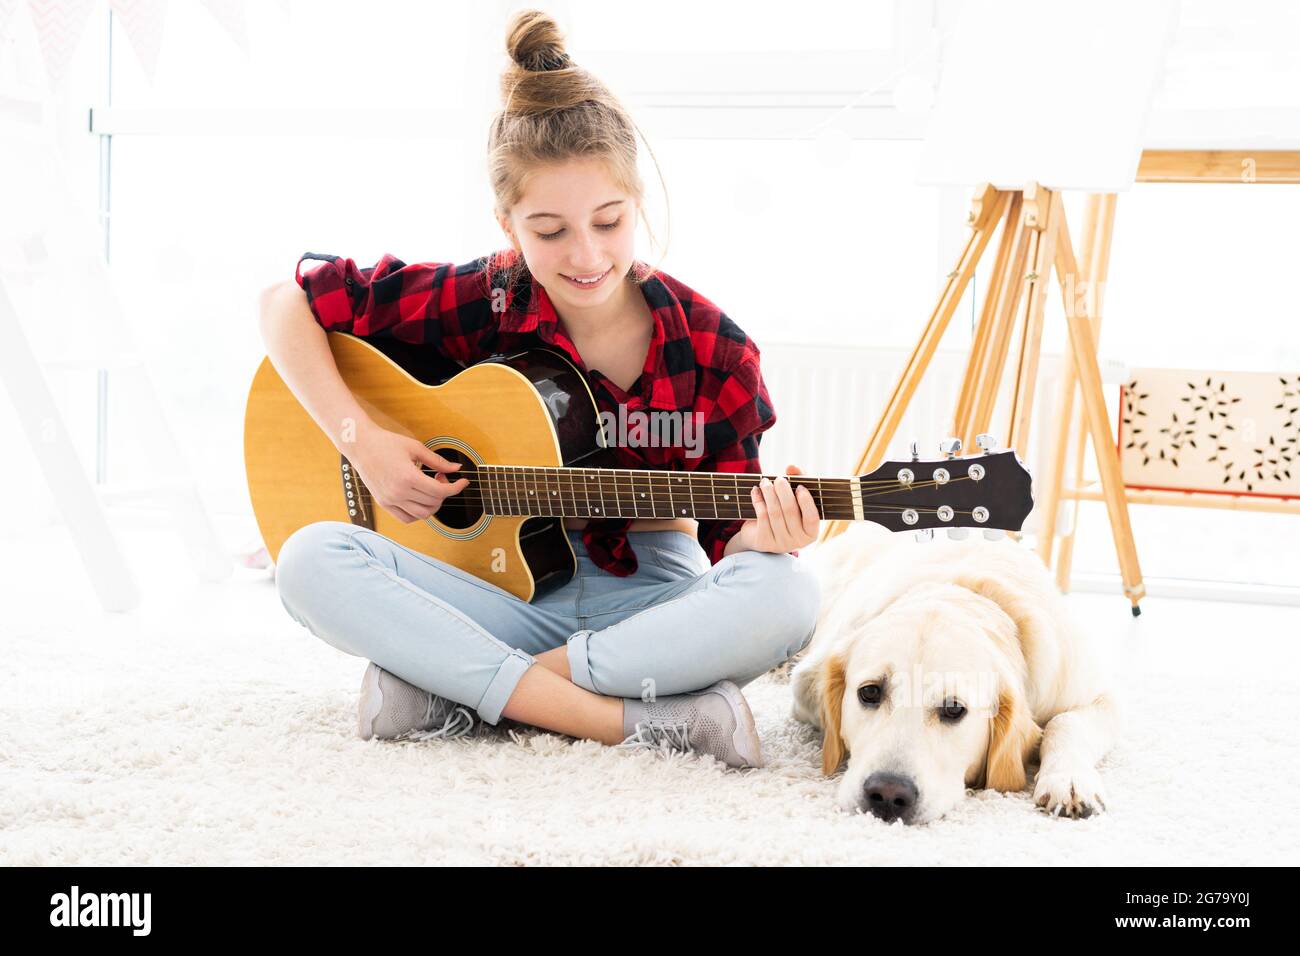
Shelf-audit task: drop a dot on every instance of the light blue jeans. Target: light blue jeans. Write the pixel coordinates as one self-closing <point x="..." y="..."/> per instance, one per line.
<point x="677" y="624"/>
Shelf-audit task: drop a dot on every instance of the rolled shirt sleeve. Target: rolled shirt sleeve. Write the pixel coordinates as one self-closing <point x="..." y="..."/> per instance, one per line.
<point x="446" y="306"/>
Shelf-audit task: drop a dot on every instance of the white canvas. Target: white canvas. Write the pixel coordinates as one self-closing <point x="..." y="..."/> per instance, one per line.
<point x="1056" y="93"/>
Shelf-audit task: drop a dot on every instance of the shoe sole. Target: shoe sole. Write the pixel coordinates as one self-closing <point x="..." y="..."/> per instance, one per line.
<point x="372" y="702"/>
<point x="744" y="740"/>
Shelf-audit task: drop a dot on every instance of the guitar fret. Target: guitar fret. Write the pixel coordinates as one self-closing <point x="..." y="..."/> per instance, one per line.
<point x="631" y="482"/>
<point x="713" y="494"/>
<point x="647" y="495"/>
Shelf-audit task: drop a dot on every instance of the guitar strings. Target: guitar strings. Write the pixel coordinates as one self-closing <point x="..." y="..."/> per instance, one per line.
<point x="508" y="488"/>
<point x="497" y="486"/>
<point x="840" y="486"/>
<point x="503" y="487"/>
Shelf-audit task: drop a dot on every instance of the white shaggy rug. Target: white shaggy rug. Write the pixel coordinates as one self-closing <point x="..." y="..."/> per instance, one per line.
<point x="209" y="728"/>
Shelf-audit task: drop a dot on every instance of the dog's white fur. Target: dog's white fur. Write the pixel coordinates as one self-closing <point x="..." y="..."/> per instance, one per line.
<point x="976" y="620"/>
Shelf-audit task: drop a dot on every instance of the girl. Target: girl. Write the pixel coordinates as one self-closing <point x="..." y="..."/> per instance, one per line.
<point x="652" y="639"/>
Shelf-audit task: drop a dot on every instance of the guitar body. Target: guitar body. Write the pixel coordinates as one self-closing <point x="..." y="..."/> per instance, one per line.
<point x="529" y="408"/>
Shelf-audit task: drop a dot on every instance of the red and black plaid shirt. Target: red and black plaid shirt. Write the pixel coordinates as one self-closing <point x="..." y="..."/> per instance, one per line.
<point x="699" y="360"/>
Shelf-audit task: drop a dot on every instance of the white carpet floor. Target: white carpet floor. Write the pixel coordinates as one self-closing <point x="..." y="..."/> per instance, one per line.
<point x="209" y="728"/>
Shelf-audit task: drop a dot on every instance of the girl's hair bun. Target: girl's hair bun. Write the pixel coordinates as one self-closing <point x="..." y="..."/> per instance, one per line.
<point x="535" y="43"/>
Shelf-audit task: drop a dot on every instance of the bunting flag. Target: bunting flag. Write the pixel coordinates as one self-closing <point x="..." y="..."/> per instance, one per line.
<point x="230" y="14"/>
<point x="143" y="20"/>
<point x="59" y="25"/>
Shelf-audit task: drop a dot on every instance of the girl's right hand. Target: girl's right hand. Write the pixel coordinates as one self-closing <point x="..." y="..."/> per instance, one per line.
<point x="390" y="465"/>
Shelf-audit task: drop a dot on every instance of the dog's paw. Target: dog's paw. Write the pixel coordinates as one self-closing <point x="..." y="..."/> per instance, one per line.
<point x="1076" y="795"/>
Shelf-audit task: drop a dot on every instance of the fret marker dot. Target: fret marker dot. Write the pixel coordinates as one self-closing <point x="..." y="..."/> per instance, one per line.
<point x="726" y="497"/>
<point x="683" y="511"/>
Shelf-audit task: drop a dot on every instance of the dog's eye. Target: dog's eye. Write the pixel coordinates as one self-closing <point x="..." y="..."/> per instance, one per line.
<point x="952" y="710"/>
<point x="870" y="694"/>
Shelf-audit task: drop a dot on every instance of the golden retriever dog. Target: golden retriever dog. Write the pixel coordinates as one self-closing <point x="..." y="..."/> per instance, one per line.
<point x="941" y="665"/>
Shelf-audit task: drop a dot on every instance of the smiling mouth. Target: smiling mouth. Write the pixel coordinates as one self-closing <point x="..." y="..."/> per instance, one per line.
<point x="587" y="280"/>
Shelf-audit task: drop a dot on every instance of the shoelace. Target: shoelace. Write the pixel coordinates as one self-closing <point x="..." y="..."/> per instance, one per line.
<point x="654" y="733"/>
<point x="458" y="721"/>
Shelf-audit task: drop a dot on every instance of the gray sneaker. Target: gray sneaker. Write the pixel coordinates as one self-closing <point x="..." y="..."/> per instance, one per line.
<point x="390" y="708"/>
<point x="715" y="721"/>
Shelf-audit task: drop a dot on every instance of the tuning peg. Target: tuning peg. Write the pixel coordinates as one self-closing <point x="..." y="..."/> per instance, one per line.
<point x="950" y="447"/>
<point x="994" y="534"/>
<point x="958" y="534"/>
<point x="986" y="442"/>
<point x="913" y="446"/>
<point x="925" y="534"/>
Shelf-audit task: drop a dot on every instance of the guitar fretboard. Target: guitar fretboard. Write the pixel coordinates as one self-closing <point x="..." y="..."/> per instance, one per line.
<point x="634" y="493"/>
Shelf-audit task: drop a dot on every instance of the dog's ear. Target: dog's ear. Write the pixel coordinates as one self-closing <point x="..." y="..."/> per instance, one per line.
<point x="1013" y="736"/>
<point x="832" y="707"/>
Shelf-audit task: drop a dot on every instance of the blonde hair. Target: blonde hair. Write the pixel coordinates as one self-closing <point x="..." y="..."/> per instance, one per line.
<point x="554" y="110"/>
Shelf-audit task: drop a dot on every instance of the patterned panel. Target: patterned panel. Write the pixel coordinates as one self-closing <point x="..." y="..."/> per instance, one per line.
<point x="1213" y="431"/>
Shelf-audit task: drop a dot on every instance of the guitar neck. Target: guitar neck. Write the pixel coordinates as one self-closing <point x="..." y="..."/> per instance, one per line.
<point x="637" y="493"/>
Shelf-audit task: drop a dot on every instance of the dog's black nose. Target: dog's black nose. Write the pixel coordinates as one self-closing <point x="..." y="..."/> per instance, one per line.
<point x="889" y="796"/>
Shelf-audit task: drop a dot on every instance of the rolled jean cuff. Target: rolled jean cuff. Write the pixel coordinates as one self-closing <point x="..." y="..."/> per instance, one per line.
<point x="503" y="685"/>
<point x="579" y="668"/>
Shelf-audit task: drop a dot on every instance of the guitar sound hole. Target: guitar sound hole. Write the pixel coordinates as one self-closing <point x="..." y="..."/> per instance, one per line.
<point x="462" y="510"/>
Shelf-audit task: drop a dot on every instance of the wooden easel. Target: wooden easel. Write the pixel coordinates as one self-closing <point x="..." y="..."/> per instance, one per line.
<point x="1034" y="240"/>
<point x="1223" y="166"/>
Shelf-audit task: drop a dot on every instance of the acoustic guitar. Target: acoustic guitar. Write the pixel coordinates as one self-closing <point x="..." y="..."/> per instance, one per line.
<point x="530" y="439"/>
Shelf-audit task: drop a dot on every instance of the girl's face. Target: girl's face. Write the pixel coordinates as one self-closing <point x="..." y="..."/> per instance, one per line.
<point x="576" y="230"/>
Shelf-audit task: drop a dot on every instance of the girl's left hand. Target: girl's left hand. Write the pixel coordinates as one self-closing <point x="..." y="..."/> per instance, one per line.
<point x="786" y="519"/>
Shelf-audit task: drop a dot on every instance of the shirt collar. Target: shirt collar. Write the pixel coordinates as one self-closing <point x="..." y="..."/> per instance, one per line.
<point x="671" y="388"/>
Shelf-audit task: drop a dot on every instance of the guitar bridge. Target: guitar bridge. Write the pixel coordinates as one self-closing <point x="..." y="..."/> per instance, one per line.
<point x="360" y="503"/>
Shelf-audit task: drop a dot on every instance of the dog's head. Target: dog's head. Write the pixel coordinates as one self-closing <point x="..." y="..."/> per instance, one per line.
<point x="926" y="698"/>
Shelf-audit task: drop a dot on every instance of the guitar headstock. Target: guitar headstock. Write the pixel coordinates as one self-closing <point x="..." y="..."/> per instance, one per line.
<point x="989" y="490"/>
